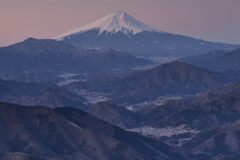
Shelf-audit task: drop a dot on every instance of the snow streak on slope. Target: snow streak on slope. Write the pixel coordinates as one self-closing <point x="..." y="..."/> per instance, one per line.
<point x="113" y="23"/>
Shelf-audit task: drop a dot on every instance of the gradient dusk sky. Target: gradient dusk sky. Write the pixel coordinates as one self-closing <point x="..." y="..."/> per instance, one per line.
<point x="215" y="20"/>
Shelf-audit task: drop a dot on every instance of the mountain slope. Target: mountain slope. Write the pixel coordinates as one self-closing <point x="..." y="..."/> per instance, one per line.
<point x="18" y="156"/>
<point x="113" y="23"/>
<point x="50" y="58"/>
<point x="177" y="122"/>
<point x="105" y="59"/>
<point x="210" y="109"/>
<point x="217" y="143"/>
<point x="123" y="32"/>
<point x="36" y="55"/>
<point x="71" y="134"/>
<point x="114" y="114"/>
<point x="217" y="61"/>
<point x="38" y="94"/>
<point x="172" y="79"/>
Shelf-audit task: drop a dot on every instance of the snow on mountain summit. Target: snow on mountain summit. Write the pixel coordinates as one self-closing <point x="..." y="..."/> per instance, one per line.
<point x="113" y="23"/>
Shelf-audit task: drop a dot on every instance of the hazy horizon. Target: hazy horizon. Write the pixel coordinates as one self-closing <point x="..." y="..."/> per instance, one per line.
<point x="215" y="20"/>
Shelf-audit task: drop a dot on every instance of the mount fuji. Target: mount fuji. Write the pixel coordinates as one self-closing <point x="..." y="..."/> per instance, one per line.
<point x="123" y="32"/>
<point x="114" y="23"/>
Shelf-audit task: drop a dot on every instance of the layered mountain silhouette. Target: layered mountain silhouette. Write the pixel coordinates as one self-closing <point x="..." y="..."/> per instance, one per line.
<point x="123" y="32"/>
<point x="218" y="143"/>
<point x="210" y="109"/>
<point x="171" y="79"/>
<point x="205" y="126"/>
<point x="42" y="94"/>
<point x="85" y="95"/>
<point x="68" y="133"/>
<point x="217" y="61"/>
<point x="50" y="58"/>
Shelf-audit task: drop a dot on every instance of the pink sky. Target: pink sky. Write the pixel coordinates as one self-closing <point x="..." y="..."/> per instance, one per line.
<point x="216" y="20"/>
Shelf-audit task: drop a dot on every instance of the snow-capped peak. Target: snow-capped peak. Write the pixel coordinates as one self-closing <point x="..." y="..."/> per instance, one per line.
<point x="113" y="23"/>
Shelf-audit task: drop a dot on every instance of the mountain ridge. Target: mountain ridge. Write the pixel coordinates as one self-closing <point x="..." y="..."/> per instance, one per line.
<point x="123" y="32"/>
<point x="170" y="79"/>
<point x="52" y="58"/>
<point x="68" y="133"/>
<point x="218" y="61"/>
